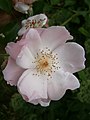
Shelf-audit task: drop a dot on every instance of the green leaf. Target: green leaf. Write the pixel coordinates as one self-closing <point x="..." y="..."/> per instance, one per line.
<point x="76" y="20"/>
<point x="10" y="32"/>
<point x="84" y="94"/>
<point x="88" y="3"/>
<point x="87" y="46"/>
<point x="38" y="7"/>
<point x="69" y="2"/>
<point x="82" y="75"/>
<point x="47" y="8"/>
<point x="6" y="5"/>
<point x="84" y="31"/>
<point x="17" y="102"/>
<point x="55" y="2"/>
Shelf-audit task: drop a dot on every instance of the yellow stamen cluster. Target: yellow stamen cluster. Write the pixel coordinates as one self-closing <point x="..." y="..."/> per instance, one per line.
<point x="46" y="62"/>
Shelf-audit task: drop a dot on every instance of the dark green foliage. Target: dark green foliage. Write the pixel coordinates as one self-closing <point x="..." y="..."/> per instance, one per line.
<point x="6" y="5"/>
<point x="75" y="105"/>
<point x="10" y="31"/>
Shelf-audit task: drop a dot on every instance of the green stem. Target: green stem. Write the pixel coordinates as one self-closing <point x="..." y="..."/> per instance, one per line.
<point x="68" y="20"/>
<point x="3" y="54"/>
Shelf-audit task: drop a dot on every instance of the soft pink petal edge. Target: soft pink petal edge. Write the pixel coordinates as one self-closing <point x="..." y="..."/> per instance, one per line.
<point x="32" y="88"/>
<point x="71" y="57"/>
<point x="12" y="72"/>
<point x="25" y="58"/>
<point x="32" y="40"/>
<point x="13" y="49"/>
<point x="57" y="35"/>
<point x="61" y="82"/>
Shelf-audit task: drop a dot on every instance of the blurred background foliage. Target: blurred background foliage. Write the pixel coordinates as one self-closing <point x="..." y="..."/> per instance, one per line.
<point x="75" y="105"/>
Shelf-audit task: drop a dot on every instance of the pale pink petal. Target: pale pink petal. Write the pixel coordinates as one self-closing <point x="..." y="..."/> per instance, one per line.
<point x="71" y="82"/>
<point x="59" y="83"/>
<point x="40" y="30"/>
<point x="42" y="102"/>
<point x="71" y="57"/>
<point x="25" y="58"/>
<point x="22" y="31"/>
<point x="56" y="88"/>
<point x="12" y="72"/>
<point x="33" y="41"/>
<point x="32" y="86"/>
<point x="55" y="36"/>
<point x="21" y="7"/>
<point x="13" y="49"/>
<point x="24" y="22"/>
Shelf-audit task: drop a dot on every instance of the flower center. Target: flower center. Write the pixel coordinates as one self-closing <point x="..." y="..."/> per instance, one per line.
<point x="46" y="62"/>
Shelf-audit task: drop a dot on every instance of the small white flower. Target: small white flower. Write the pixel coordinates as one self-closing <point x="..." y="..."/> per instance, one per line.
<point x="33" y="22"/>
<point x="21" y="7"/>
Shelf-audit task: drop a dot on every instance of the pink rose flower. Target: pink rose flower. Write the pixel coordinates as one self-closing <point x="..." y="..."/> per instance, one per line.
<point x="42" y="64"/>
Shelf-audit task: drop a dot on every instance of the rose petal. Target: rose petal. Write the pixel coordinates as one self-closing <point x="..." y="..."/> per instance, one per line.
<point x="40" y="30"/>
<point x="24" y="22"/>
<point x="25" y="58"/>
<point x="30" y="50"/>
<point x="32" y="86"/>
<point x="56" y="88"/>
<point x="59" y="83"/>
<point x="13" y="49"/>
<point x="71" y="82"/>
<point x="55" y="36"/>
<point x="71" y="56"/>
<point x="21" y="7"/>
<point x="34" y="41"/>
<point x="22" y="31"/>
<point x="12" y="72"/>
<point x="42" y="102"/>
